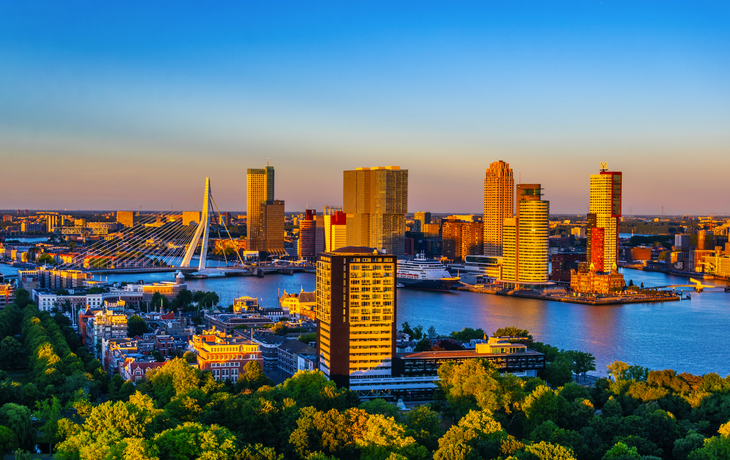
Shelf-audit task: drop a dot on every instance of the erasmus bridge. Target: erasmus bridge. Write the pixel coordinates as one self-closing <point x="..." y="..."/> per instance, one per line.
<point x="165" y="242"/>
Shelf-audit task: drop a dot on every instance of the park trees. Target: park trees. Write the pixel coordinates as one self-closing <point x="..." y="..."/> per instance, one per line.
<point x="252" y="377"/>
<point x="136" y="326"/>
<point x="11" y="353"/>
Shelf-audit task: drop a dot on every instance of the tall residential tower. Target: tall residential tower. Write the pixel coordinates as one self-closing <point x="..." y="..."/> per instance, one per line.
<point x="603" y="219"/>
<point x="526" y="238"/>
<point x="498" y="205"/>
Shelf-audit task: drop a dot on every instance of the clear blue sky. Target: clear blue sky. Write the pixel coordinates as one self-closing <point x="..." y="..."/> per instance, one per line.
<point x="117" y="105"/>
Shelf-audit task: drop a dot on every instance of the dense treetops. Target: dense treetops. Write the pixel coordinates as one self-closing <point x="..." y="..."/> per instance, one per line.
<point x="56" y="393"/>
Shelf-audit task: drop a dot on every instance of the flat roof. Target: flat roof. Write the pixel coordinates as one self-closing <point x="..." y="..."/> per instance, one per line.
<point x="456" y="354"/>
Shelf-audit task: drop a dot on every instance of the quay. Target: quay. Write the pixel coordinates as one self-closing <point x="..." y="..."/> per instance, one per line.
<point x="608" y="300"/>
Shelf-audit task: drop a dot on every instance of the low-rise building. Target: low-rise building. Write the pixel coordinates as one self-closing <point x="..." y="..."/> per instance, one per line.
<point x="7" y="294"/>
<point x="302" y="305"/>
<point x="593" y="282"/>
<point x="269" y="344"/>
<point x="227" y="322"/>
<point x="224" y="355"/>
<point x="105" y="324"/>
<point x="294" y="356"/>
<point x="245" y="304"/>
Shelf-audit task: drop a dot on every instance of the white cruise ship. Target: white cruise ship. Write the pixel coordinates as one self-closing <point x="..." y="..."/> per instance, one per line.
<point x="422" y="273"/>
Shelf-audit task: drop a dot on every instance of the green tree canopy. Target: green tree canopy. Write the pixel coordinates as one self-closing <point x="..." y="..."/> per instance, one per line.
<point x="12" y="353"/>
<point x="136" y="326"/>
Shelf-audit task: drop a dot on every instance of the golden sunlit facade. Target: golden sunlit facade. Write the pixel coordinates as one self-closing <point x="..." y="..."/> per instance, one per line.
<point x="376" y="202"/>
<point x="259" y="188"/>
<point x="356" y="312"/>
<point x="604" y="216"/>
<point x="498" y="205"/>
<point x="526" y="238"/>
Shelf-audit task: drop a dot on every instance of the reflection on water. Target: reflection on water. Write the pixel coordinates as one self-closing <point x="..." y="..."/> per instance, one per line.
<point x="688" y="336"/>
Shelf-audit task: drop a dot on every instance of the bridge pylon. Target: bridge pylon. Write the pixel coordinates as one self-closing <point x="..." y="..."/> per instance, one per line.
<point x="202" y="230"/>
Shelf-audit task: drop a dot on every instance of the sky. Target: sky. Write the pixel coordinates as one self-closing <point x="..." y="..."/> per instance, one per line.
<point x="129" y="105"/>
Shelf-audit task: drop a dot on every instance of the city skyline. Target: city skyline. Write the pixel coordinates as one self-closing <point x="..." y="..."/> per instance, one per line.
<point x="112" y="108"/>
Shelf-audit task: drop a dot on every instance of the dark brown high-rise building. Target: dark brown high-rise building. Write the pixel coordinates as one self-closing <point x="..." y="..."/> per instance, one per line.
<point x="356" y="313"/>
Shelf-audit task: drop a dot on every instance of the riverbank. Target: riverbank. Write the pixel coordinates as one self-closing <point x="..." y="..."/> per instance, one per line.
<point x="609" y="300"/>
<point x="704" y="276"/>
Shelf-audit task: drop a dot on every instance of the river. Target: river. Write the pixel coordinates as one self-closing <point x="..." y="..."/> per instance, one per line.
<point x="687" y="336"/>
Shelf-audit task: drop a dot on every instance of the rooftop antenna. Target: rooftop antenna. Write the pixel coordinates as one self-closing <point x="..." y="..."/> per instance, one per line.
<point x="604" y="166"/>
<point x="267" y="162"/>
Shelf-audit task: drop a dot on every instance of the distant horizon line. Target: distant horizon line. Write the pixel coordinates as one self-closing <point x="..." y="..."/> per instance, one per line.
<point x="100" y="211"/>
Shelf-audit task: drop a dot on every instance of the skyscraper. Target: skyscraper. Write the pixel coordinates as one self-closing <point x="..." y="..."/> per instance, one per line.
<point x="603" y="220"/>
<point x="356" y="312"/>
<point x="498" y="205"/>
<point x="307" y="235"/>
<point x="526" y="237"/>
<point x="271" y="240"/>
<point x="259" y="188"/>
<point x="376" y="203"/>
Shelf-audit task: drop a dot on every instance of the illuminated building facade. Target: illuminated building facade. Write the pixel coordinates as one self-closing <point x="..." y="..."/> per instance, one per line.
<point x="593" y="282"/>
<point x="356" y="313"/>
<point x="461" y="239"/>
<point x="526" y="238"/>
<point x="259" y="188"/>
<point x="224" y="355"/>
<point x="603" y="219"/>
<point x="335" y="231"/>
<point x="376" y="203"/>
<point x="125" y="218"/>
<point x="190" y="217"/>
<point x="498" y="205"/>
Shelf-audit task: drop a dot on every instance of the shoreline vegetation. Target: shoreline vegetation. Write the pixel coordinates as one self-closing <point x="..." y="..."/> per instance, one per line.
<point x="53" y="393"/>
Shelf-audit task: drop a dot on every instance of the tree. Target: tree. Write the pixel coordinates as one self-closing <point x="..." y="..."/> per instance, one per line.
<point x="423" y="345"/>
<point x="22" y="297"/>
<point x="11" y="353"/>
<point x="307" y="338"/>
<point x="621" y="451"/>
<point x="418" y="332"/>
<point x="192" y="440"/>
<point x="544" y="404"/>
<point x="546" y="451"/>
<point x="383" y="438"/>
<point x="618" y="370"/>
<point x="252" y="377"/>
<point x="50" y="412"/>
<point x="190" y="357"/>
<point x="432" y="334"/>
<point x="380" y="406"/>
<point x="136" y="326"/>
<point x="423" y="425"/>
<point x="477" y="435"/>
<point x="466" y="334"/>
<point x="158" y="301"/>
<point x="17" y="418"/>
<point x="8" y="441"/>
<point x="406" y="329"/>
<point x="46" y="258"/>
<point x="581" y="362"/>
<point x="511" y="331"/>
<point x="183" y="300"/>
